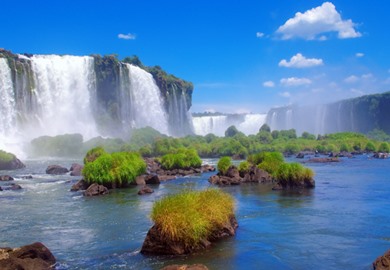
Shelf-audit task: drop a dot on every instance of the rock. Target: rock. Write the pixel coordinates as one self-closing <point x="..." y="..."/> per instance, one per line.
<point x="257" y="175"/>
<point x="14" y="164"/>
<point x="295" y="185"/>
<point x="140" y="180"/>
<point x="56" y="169"/>
<point x="29" y="257"/>
<point x="76" y="169"/>
<point x="145" y="190"/>
<point x="27" y="177"/>
<point x="15" y="187"/>
<point x="208" y="168"/>
<point x="300" y="155"/>
<point x="152" y="179"/>
<point x="185" y="267"/>
<point x="1" y="189"/>
<point x="6" y="178"/>
<point x="166" y="177"/>
<point x="231" y="177"/>
<point x="381" y="155"/>
<point x="382" y="262"/>
<point x="323" y="160"/>
<point x="96" y="190"/>
<point x="80" y="185"/>
<point x="157" y="244"/>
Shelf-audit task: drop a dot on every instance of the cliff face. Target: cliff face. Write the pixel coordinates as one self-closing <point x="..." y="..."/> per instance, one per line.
<point x="362" y="114"/>
<point x="120" y="96"/>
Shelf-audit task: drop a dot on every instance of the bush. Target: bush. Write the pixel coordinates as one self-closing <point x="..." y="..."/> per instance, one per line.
<point x="114" y="170"/>
<point x="370" y="147"/>
<point x="231" y="131"/>
<point x="269" y="161"/>
<point x="224" y="164"/>
<point x="182" y="159"/>
<point x="93" y="154"/>
<point x="243" y="167"/>
<point x="384" y="147"/>
<point x="192" y="216"/>
<point x="5" y="156"/>
<point x="293" y="172"/>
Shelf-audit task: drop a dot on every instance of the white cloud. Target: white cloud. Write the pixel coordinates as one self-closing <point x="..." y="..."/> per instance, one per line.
<point x="259" y="34"/>
<point x="299" y="61"/>
<point x="359" y="54"/>
<point x="351" y="79"/>
<point x="269" y="84"/>
<point x="294" y="81"/>
<point x="285" y="94"/>
<point x="313" y="23"/>
<point x="355" y="79"/>
<point x="126" y="36"/>
<point x="367" y="76"/>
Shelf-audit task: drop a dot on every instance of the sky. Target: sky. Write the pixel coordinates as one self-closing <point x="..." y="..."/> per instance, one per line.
<point x="242" y="56"/>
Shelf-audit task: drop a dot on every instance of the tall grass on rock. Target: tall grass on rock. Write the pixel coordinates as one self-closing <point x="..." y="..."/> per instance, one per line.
<point x="114" y="170"/>
<point x="181" y="159"/>
<point x="293" y="174"/>
<point x="224" y="164"/>
<point x="192" y="216"/>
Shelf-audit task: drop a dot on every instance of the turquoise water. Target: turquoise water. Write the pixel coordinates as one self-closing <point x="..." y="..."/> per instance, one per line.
<point x="342" y="223"/>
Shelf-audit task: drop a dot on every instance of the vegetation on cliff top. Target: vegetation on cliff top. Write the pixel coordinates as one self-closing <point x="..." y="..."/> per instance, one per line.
<point x="192" y="216"/>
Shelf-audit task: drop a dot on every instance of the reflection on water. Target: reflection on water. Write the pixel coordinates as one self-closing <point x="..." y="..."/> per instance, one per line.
<point x="342" y="223"/>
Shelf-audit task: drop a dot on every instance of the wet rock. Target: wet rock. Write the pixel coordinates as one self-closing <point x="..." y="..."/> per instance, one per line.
<point x="96" y="190"/>
<point x="56" y="169"/>
<point x="381" y="155"/>
<point x="185" y="267"/>
<point x="323" y="160"/>
<point x="145" y="190"/>
<point x="80" y="185"/>
<point x="157" y="244"/>
<point x="257" y="175"/>
<point x="382" y="262"/>
<point x="295" y="185"/>
<point x="12" y="164"/>
<point x="231" y="177"/>
<point x="76" y="169"/>
<point x="1" y="189"/>
<point x="27" y="177"/>
<point x="300" y="155"/>
<point x="29" y="257"/>
<point x="6" y="178"/>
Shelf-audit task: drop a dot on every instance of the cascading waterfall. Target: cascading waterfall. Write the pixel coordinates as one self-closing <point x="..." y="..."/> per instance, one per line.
<point x="141" y="103"/>
<point x="252" y="123"/>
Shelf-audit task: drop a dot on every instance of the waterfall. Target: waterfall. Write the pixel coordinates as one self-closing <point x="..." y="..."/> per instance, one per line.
<point x="141" y="102"/>
<point x="252" y="123"/>
<point x="65" y="94"/>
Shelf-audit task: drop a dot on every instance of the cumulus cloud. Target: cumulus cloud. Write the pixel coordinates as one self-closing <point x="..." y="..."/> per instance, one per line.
<point x="354" y="79"/>
<point x="294" y="81"/>
<point x="359" y="54"/>
<point x="269" y="84"/>
<point x="314" y="23"/>
<point x="126" y="36"/>
<point x="299" y="61"/>
<point x="285" y="94"/>
<point x="259" y="34"/>
<point x="351" y="79"/>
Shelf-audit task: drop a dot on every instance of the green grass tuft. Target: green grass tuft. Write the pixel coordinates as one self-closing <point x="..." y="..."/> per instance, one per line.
<point x="181" y="159"/>
<point x="224" y="164"/>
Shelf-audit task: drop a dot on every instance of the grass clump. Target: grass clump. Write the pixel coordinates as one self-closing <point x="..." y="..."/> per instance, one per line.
<point x="293" y="173"/>
<point x="191" y="216"/>
<point x="243" y="167"/>
<point x="114" y="170"/>
<point x="93" y="154"/>
<point x="224" y="164"/>
<point x="268" y="161"/>
<point x="5" y="156"/>
<point x="181" y="159"/>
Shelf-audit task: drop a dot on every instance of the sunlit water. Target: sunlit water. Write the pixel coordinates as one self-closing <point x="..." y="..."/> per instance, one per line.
<point x="342" y="224"/>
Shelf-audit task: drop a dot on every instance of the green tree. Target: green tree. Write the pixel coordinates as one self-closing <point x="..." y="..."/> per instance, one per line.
<point x="231" y="131"/>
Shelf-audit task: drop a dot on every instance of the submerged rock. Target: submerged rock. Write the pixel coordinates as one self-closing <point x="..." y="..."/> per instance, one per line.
<point x="323" y="160"/>
<point x="145" y="190"/>
<point x="29" y="257"/>
<point x="157" y="244"/>
<point x="96" y="190"/>
<point x="80" y="185"/>
<point x="185" y="267"/>
<point x="6" y="178"/>
<point x="56" y="169"/>
<point x="382" y="262"/>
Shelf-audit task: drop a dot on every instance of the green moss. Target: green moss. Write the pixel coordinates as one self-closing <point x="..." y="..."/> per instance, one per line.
<point x="114" y="170"/>
<point x="191" y="216"/>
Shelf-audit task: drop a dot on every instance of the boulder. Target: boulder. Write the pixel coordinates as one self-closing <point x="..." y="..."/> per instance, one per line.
<point x="76" y="169"/>
<point x="12" y="187"/>
<point x="13" y="164"/>
<point x="29" y="257"/>
<point x="96" y="190"/>
<point x="300" y="155"/>
<point x="185" y="267"/>
<point x="381" y="155"/>
<point x="157" y="244"/>
<point x="1" y="189"/>
<point x="294" y="185"/>
<point x="6" y="178"/>
<point x="145" y="190"/>
<point x="207" y="168"/>
<point x="382" y="262"/>
<point x="231" y="177"/>
<point x="27" y="177"/>
<point x="56" y="169"/>
<point x="257" y="175"/>
<point x="323" y="160"/>
<point x="80" y="185"/>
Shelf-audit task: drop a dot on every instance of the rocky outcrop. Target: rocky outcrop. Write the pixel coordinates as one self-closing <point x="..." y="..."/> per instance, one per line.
<point x="56" y="169"/>
<point x="12" y="164"/>
<point x="76" y="169"/>
<point x="80" y="185"/>
<point x="323" y="160"/>
<point x="381" y="155"/>
<point x="295" y="185"/>
<point x="382" y="262"/>
<point x="145" y="190"/>
<point x="185" y="267"/>
<point x="6" y="178"/>
<point x="233" y="177"/>
<point x="157" y="244"/>
<point x="96" y="190"/>
<point x="30" y="257"/>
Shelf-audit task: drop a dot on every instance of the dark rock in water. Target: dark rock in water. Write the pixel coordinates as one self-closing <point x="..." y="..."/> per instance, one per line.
<point x="76" y="169"/>
<point x="96" y="190"/>
<point x="208" y="168"/>
<point x="382" y="262"/>
<point x="1" y="189"/>
<point x="147" y="179"/>
<point x="185" y="267"/>
<point x="12" y="187"/>
<point x="231" y="177"/>
<point x="13" y="164"/>
<point x="145" y="190"/>
<point x="157" y="244"/>
<point x="256" y="175"/>
<point x="56" y="169"/>
<point x="80" y="185"/>
<point x="381" y="155"/>
<point x="323" y="160"/>
<point x="29" y="257"/>
<point x="295" y="185"/>
<point x="300" y="155"/>
<point x="6" y="178"/>
<point x="27" y="177"/>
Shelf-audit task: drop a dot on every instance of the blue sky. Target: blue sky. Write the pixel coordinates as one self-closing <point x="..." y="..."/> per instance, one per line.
<point x="242" y="56"/>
